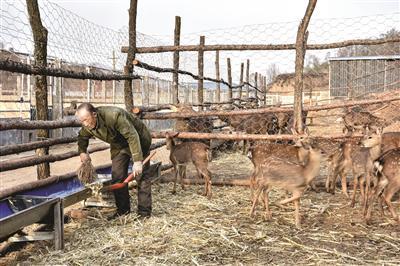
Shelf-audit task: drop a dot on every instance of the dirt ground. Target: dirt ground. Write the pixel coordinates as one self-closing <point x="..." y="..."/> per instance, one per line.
<point x="186" y="228"/>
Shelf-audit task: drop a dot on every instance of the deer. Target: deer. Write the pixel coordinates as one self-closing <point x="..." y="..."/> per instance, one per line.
<point x="387" y="171"/>
<point x="189" y="152"/>
<point x="362" y="121"/>
<point x="339" y="166"/>
<point x="261" y="151"/>
<point x="293" y="177"/>
<point x="357" y="159"/>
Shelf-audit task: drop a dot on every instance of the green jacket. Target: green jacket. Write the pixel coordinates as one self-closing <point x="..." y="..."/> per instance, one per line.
<point x="125" y="133"/>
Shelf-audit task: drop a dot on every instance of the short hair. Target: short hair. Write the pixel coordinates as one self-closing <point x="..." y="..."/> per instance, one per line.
<point x="88" y="107"/>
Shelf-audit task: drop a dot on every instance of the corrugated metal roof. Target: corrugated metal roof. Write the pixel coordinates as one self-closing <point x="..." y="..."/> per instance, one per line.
<point x="379" y="57"/>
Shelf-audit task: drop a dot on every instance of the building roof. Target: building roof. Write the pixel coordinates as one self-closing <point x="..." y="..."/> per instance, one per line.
<point x="378" y="57"/>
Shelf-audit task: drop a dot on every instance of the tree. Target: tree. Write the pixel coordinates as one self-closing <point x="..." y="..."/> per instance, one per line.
<point x="370" y="50"/>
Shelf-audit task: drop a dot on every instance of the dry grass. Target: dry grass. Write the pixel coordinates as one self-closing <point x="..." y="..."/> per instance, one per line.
<point x="186" y="228"/>
<point x="86" y="172"/>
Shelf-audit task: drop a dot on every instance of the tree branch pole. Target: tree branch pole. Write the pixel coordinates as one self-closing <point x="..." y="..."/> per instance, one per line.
<point x="301" y="41"/>
<point x="128" y="69"/>
<point x="22" y="68"/>
<point x="248" y="77"/>
<point x="23" y="124"/>
<point x="229" y="69"/>
<point x="200" y="83"/>
<point x="12" y="149"/>
<point x="183" y="72"/>
<point x="243" y="136"/>
<point x="40" y="54"/>
<point x="217" y="76"/>
<point x="241" y="80"/>
<point x="30" y="161"/>
<point x="175" y="77"/>
<point x="259" y="47"/>
<point x="263" y="110"/>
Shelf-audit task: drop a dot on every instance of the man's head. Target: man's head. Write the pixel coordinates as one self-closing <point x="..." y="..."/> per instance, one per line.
<point x="86" y="113"/>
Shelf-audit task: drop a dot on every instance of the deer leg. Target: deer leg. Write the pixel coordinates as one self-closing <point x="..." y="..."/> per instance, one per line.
<point x="183" y="177"/>
<point x="255" y="199"/>
<point x="387" y="196"/>
<point x="202" y="169"/>
<point x="367" y="192"/>
<point x="297" y="213"/>
<point x="362" y="190"/>
<point x="355" y="185"/>
<point x="268" y="214"/>
<point x="176" y="169"/>
<point x="296" y="195"/>
<point x="344" y="184"/>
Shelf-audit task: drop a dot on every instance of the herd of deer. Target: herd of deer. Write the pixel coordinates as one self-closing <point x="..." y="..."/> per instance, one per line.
<point x="374" y="163"/>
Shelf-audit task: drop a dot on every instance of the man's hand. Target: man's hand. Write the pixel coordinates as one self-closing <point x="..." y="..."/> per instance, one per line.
<point x="84" y="157"/>
<point x="137" y="168"/>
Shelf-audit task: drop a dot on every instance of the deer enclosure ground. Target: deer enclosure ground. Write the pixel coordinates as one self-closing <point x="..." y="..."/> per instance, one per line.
<point x="186" y="228"/>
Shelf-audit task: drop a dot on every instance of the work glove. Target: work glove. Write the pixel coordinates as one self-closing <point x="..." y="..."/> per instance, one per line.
<point x="138" y="167"/>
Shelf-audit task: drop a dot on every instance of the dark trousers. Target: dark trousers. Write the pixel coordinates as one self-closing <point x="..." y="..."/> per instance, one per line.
<point x="122" y="199"/>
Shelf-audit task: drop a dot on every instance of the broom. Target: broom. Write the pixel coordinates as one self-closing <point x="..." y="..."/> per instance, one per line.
<point x="86" y="172"/>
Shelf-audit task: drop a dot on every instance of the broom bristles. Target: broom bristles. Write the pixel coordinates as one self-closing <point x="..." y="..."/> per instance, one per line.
<point x="86" y="172"/>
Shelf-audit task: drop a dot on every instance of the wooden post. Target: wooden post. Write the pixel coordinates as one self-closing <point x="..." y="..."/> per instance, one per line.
<point x="301" y="41"/>
<point x="256" y="85"/>
<point x="40" y="54"/>
<point x="57" y="102"/>
<point x="260" y="79"/>
<point x="265" y="90"/>
<point x="28" y="81"/>
<point x="175" y="77"/>
<point x="158" y="91"/>
<point x="230" y="92"/>
<point x="241" y="80"/>
<point x="248" y="78"/>
<point x="128" y="69"/>
<point x="217" y="76"/>
<point x="200" y="84"/>
<point x="59" y="225"/>
<point x="88" y="88"/>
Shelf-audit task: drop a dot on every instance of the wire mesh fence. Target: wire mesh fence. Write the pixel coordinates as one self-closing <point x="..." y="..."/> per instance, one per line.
<point x="85" y="46"/>
<point x="74" y="43"/>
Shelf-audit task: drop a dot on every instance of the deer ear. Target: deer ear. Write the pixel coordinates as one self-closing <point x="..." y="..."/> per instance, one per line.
<point x="307" y="131"/>
<point x="379" y="130"/>
<point x="174" y="134"/>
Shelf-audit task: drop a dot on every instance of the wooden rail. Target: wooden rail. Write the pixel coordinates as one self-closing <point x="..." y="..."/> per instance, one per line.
<point x="258" y="47"/>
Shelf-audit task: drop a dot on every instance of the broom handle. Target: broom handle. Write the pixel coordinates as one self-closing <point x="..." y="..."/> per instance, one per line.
<point x="130" y="177"/>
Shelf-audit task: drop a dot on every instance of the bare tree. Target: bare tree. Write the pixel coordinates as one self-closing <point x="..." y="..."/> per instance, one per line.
<point x="40" y="53"/>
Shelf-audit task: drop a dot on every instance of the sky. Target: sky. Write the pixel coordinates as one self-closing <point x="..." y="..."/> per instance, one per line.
<point x="156" y="17"/>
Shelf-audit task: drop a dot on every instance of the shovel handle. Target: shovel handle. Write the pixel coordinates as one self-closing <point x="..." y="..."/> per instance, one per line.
<point x="130" y="176"/>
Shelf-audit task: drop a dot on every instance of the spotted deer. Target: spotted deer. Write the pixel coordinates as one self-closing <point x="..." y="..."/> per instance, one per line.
<point x="277" y="172"/>
<point x="387" y="171"/>
<point x="189" y="152"/>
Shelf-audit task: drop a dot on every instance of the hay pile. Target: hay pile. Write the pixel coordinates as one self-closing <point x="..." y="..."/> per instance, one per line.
<point x="188" y="229"/>
<point x="86" y="172"/>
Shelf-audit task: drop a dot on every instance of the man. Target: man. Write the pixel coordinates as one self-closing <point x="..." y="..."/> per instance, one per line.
<point x="128" y="137"/>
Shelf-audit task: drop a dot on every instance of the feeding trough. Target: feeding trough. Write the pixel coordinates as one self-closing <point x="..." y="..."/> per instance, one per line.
<point x="42" y="203"/>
